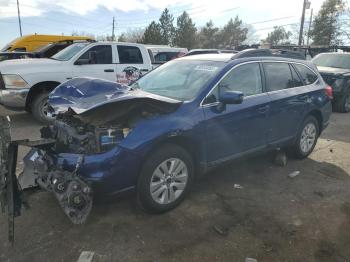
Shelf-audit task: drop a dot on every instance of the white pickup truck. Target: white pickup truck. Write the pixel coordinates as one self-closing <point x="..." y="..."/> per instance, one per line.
<point x="26" y="83"/>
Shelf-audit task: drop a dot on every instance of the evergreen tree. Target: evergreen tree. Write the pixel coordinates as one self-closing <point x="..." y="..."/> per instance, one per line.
<point x="153" y="34"/>
<point x="207" y="37"/>
<point x="166" y="21"/>
<point x="233" y="33"/>
<point x="185" y="32"/>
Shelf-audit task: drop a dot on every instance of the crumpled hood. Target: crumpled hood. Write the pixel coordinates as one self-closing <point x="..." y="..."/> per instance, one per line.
<point x="333" y="70"/>
<point x="94" y="98"/>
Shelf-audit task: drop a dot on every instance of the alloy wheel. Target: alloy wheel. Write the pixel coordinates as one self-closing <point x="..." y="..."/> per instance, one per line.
<point x="169" y="181"/>
<point x="308" y="138"/>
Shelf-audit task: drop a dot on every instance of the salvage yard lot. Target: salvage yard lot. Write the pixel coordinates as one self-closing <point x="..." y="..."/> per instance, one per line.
<point x="271" y="218"/>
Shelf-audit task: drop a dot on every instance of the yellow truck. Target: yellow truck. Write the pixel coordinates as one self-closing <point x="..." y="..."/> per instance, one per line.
<point x="29" y="43"/>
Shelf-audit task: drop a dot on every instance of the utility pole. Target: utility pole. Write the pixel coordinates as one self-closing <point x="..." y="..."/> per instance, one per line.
<point x="308" y="33"/>
<point x="113" y="30"/>
<point x="306" y="5"/>
<point x="19" y="19"/>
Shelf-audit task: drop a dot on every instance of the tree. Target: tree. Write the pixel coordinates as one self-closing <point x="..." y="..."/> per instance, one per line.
<point x="132" y="36"/>
<point x="153" y="34"/>
<point x="185" y="32"/>
<point x="207" y="37"/>
<point x="122" y="38"/>
<point x="233" y="33"/>
<point x="166" y="21"/>
<point x="278" y="36"/>
<point x="326" y="28"/>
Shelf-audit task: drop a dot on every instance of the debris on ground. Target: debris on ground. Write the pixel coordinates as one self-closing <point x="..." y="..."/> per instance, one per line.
<point x="220" y="230"/>
<point x="249" y="259"/>
<point x="86" y="256"/>
<point x="281" y="159"/>
<point x="294" y="174"/>
<point x="237" y="186"/>
<point x="331" y="150"/>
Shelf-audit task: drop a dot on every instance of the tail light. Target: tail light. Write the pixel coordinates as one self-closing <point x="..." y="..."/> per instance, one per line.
<point x="329" y="91"/>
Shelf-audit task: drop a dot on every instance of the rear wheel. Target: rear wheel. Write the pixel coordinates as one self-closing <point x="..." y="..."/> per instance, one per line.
<point x="307" y="138"/>
<point x="165" y="179"/>
<point x="41" y="109"/>
<point x="343" y="104"/>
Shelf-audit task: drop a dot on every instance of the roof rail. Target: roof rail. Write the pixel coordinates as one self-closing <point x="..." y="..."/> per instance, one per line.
<point x="269" y="52"/>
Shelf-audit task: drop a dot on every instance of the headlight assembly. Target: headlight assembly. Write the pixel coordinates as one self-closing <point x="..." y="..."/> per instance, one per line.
<point x="14" y="81"/>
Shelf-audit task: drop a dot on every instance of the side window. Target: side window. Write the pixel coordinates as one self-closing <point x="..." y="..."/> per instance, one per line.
<point x="296" y="79"/>
<point x="245" y="78"/>
<point x="278" y="76"/>
<point x="307" y="75"/>
<point x="129" y="55"/>
<point x="103" y="54"/>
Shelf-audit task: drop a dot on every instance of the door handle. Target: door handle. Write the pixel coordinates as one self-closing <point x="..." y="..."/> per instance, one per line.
<point x="144" y="70"/>
<point x="109" y="70"/>
<point x="263" y="109"/>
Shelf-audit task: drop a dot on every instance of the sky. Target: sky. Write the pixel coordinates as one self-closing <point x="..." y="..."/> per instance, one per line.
<point x="95" y="16"/>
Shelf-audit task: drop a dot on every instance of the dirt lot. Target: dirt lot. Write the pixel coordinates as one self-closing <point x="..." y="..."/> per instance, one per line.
<point x="272" y="218"/>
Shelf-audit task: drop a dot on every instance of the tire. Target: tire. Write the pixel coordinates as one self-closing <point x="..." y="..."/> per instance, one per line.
<point x="342" y="105"/>
<point x="39" y="107"/>
<point x="162" y="188"/>
<point x="309" y="137"/>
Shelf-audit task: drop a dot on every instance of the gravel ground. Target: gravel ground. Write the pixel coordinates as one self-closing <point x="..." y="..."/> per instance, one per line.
<point x="271" y="218"/>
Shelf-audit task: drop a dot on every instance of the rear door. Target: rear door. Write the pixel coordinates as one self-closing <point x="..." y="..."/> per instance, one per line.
<point x="133" y="62"/>
<point x="288" y="99"/>
<point x="101" y="66"/>
<point x="236" y="129"/>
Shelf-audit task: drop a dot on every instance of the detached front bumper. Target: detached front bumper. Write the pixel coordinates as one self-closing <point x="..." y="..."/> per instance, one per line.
<point x="14" y="98"/>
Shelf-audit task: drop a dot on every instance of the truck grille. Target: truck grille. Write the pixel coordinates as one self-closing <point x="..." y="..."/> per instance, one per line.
<point x="329" y="79"/>
<point x="2" y="83"/>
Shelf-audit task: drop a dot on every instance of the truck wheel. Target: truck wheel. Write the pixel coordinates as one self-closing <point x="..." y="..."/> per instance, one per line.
<point x="306" y="138"/>
<point x="165" y="179"/>
<point x="343" y="104"/>
<point x="40" y="108"/>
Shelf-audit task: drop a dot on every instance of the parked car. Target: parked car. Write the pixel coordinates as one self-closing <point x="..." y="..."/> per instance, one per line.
<point x="335" y="70"/>
<point x="42" y="52"/>
<point x="30" y="43"/>
<point x="26" y="84"/>
<point x="162" y="54"/>
<point x="182" y="119"/>
<point x="202" y="52"/>
<point x="15" y="55"/>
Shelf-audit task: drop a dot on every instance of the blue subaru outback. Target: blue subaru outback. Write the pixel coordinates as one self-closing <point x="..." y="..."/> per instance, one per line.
<point x="178" y="121"/>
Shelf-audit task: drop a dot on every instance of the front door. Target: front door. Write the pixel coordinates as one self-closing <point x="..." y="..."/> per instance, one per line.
<point x="232" y="130"/>
<point x="100" y="65"/>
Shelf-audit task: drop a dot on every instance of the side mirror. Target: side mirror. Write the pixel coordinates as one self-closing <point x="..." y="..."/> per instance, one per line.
<point x="92" y="59"/>
<point x="231" y="97"/>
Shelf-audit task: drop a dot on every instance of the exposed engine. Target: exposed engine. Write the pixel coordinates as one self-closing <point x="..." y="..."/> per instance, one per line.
<point x="72" y="135"/>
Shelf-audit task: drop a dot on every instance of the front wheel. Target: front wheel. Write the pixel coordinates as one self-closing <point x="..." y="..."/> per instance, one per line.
<point x="306" y="138"/>
<point x="41" y="109"/>
<point x="165" y="179"/>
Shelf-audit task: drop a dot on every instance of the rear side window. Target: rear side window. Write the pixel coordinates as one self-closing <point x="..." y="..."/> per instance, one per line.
<point x="278" y="76"/>
<point x="103" y="54"/>
<point x="306" y="74"/>
<point x="296" y="79"/>
<point x="129" y="55"/>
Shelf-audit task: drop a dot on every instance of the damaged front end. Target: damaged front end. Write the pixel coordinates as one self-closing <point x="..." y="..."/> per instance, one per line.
<point x="79" y="153"/>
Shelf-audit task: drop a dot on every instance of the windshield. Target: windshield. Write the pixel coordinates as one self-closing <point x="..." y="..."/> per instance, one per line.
<point x="69" y="52"/>
<point x="333" y="60"/>
<point x="179" y="79"/>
